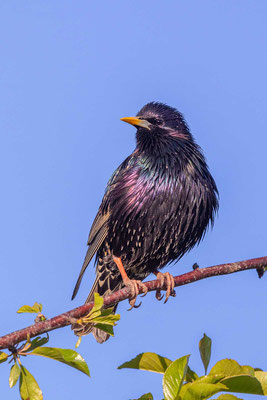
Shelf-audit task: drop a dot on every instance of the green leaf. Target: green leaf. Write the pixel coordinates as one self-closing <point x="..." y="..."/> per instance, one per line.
<point x="29" y="389"/>
<point x="105" y="320"/>
<point x="243" y="384"/>
<point x="148" y="362"/>
<point x="228" y="367"/>
<point x="3" y="356"/>
<point x="37" y="342"/>
<point x="190" y="375"/>
<point x="66" y="356"/>
<point x="147" y="396"/>
<point x="106" y="317"/>
<point x="106" y="328"/>
<point x="14" y="375"/>
<point x="36" y="308"/>
<point x="202" y="388"/>
<point x="99" y="301"/>
<point x="228" y="397"/>
<point x="174" y="377"/>
<point x="262" y="378"/>
<point x="248" y="370"/>
<point x="201" y="391"/>
<point x="205" y="351"/>
<point x="102" y="318"/>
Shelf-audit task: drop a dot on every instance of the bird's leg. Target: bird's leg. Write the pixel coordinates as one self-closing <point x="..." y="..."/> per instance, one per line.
<point x="167" y="279"/>
<point x="133" y="284"/>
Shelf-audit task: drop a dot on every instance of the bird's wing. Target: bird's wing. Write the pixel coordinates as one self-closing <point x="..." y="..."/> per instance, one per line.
<point x="99" y="229"/>
<point x="96" y="237"/>
<point x="100" y="221"/>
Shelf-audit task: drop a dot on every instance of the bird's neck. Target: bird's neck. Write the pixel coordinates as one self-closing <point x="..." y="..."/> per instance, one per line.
<point x="168" y="163"/>
<point x="176" y="154"/>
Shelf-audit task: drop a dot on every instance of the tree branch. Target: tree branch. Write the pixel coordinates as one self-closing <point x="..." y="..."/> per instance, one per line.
<point x="11" y="339"/>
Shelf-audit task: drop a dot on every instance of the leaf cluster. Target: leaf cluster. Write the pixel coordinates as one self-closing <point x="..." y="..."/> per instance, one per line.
<point x="29" y="389"/>
<point x="102" y="318"/>
<point x="180" y="382"/>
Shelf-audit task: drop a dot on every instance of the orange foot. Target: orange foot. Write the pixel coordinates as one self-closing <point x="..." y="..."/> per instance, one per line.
<point x="167" y="279"/>
<point x="135" y="287"/>
<point x="133" y="284"/>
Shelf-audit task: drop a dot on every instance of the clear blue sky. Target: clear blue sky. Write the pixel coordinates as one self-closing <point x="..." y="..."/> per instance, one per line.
<point x="69" y="70"/>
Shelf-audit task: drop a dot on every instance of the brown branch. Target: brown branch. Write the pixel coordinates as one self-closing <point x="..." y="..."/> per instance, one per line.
<point x="8" y="341"/>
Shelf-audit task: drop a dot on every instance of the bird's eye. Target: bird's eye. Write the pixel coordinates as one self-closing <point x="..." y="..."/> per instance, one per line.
<point x="154" y="120"/>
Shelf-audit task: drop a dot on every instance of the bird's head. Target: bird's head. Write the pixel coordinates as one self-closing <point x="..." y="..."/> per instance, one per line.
<point x="158" y="123"/>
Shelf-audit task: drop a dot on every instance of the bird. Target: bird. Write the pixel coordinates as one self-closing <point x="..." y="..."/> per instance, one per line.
<point x="158" y="205"/>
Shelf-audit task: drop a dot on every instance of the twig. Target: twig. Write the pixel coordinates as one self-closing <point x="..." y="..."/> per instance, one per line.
<point x="9" y="340"/>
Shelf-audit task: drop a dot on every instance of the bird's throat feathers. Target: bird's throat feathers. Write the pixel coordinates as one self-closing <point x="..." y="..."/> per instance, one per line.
<point x="167" y="155"/>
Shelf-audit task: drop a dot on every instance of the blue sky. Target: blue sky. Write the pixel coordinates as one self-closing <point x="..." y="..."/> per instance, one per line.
<point x="69" y="70"/>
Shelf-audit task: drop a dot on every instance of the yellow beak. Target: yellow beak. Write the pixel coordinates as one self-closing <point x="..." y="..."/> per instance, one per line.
<point x="135" y="121"/>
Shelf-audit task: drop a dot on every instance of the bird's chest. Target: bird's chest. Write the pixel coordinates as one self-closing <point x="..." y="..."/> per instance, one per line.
<point x="146" y="208"/>
<point x="144" y="190"/>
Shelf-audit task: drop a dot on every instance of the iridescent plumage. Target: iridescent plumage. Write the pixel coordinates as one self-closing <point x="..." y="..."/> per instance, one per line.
<point x="157" y="205"/>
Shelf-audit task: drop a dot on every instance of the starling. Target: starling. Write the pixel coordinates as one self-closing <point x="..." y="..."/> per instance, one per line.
<point x="156" y="207"/>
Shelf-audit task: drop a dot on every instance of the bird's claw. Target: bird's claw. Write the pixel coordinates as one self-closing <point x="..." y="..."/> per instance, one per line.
<point x="159" y="296"/>
<point x="133" y="305"/>
<point x="167" y="279"/>
<point x="135" y="287"/>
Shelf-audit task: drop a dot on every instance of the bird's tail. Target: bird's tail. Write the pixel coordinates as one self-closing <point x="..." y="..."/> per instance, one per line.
<point x="105" y="283"/>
